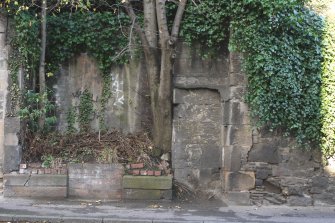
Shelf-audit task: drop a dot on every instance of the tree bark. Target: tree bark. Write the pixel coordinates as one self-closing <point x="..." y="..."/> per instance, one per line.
<point x="158" y="53"/>
<point x="42" y="85"/>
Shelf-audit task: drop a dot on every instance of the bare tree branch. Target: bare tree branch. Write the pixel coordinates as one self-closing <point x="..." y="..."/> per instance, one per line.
<point x="138" y="29"/>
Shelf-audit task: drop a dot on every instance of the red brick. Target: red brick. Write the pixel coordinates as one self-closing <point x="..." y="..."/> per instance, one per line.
<point x="136" y="172"/>
<point x="150" y="172"/>
<point x="143" y="172"/>
<point x="137" y="165"/>
<point x="158" y="172"/>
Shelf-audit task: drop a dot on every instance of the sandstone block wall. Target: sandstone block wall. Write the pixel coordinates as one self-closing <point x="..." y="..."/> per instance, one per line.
<point x="197" y="155"/>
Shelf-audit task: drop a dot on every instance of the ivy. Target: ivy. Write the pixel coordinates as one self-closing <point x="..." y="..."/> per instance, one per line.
<point x="71" y="119"/>
<point x="288" y="56"/>
<point x="206" y="23"/>
<point x="85" y="110"/>
<point x="282" y="49"/>
<point x="328" y="91"/>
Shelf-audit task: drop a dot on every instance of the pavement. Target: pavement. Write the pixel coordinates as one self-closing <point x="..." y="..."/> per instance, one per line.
<point x="25" y="210"/>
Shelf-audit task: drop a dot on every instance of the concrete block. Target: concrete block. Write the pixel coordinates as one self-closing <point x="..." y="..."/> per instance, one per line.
<point x="16" y="180"/>
<point x="48" y="180"/>
<point x="140" y="194"/>
<point x="35" y="192"/>
<point x="239" y="181"/>
<point x="92" y="193"/>
<point x="147" y="182"/>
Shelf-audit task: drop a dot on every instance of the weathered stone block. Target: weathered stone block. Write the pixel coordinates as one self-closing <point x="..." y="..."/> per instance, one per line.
<point x="12" y="125"/>
<point x="200" y="82"/>
<point x="233" y="158"/>
<point x="239" y="181"/>
<point x="296" y="181"/>
<point x="16" y="180"/>
<point x="95" y="181"/>
<point x="12" y="158"/>
<point x="237" y="135"/>
<point x="11" y="139"/>
<point x="235" y="113"/>
<point x="188" y="132"/>
<point x="47" y="180"/>
<point x="320" y="182"/>
<point x="300" y="201"/>
<point x="147" y="182"/>
<point x="238" y="198"/>
<point x="208" y="176"/>
<point x="140" y="194"/>
<point x="89" y="193"/>
<point x="211" y="157"/>
<point x="262" y="173"/>
<point x="3" y="64"/>
<point x="324" y="199"/>
<point x="3" y="23"/>
<point x="264" y="152"/>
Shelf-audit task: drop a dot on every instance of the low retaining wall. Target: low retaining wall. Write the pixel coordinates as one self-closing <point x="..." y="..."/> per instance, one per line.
<point x="105" y="182"/>
<point x="91" y="181"/>
<point x="36" y="186"/>
<point x="147" y="187"/>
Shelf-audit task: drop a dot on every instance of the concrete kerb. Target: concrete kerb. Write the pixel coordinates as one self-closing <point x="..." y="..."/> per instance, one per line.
<point x="60" y="219"/>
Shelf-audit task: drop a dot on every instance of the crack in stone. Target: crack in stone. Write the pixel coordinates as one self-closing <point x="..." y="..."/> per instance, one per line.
<point x="25" y="184"/>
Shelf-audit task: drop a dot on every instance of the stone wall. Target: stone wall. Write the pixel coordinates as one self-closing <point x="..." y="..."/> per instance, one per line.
<point x="217" y="151"/>
<point x="126" y="109"/>
<point x="3" y="84"/>
<point x="10" y="151"/>
<point x="197" y="155"/>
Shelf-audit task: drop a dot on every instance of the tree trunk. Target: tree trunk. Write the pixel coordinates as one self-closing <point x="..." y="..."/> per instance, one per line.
<point x="42" y="84"/>
<point x="159" y="62"/>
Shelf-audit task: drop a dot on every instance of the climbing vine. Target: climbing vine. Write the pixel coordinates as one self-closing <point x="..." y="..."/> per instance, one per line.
<point x="328" y="91"/>
<point x="281" y="43"/>
<point x="85" y="110"/>
<point x="287" y="49"/>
